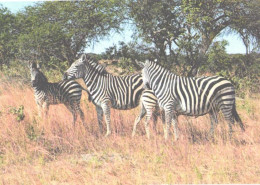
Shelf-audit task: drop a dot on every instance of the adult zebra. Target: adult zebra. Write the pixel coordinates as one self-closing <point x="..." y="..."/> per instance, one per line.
<point x="190" y="96"/>
<point x="106" y="91"/>
<point x="67" y="92"/>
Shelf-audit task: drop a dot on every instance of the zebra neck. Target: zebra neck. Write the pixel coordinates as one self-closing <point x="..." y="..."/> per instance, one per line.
<point x="39" y="86"/>
<point x="93" y="80"/>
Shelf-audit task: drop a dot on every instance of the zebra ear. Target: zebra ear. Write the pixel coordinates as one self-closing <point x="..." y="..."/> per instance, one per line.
<point x="139" y="63"/>
<point x="38" y="66"/>
<point x="83" y="57"/>
<point x="29" y="64"/>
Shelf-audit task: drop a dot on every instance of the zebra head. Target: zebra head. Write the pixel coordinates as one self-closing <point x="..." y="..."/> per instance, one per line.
<point x="146" y="74"/>
<point x="37" y="77"/>
<point x="76" y="70"/>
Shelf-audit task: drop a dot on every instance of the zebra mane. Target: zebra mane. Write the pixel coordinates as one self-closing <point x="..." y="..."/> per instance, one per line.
<point x="153" y="63"/>
<point x="93" y="63"/>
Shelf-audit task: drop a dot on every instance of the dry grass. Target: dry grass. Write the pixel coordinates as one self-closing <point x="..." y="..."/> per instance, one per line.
<point x="37" y="151"/>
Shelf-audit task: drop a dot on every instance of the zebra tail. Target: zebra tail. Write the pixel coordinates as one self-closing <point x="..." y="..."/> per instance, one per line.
<point x="237" y="118"/>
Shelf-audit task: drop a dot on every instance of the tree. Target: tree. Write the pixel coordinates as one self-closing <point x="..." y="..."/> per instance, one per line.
<point x="158" y="22"/>
<point x="186" y="28"/>
<point x="62" y="30"/>
<point x="247" y="25"/>
<point x="7" y="35"/>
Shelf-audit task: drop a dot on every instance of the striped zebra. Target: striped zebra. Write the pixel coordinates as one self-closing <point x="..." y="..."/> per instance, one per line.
<point x="190" y="96"/>
<point x="108" y="91"/>
<point x="67" y="92"/>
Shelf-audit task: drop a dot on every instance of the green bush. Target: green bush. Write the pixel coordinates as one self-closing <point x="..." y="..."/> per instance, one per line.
<point x="19" y="112"/>
<point x="19" y="71"/>
<point x="242" y="70"/>
<point x="16" y="70"/>
<point x="126" y="64"/>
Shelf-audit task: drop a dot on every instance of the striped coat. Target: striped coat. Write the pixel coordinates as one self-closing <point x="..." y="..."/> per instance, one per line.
<point x="190" y="96"/>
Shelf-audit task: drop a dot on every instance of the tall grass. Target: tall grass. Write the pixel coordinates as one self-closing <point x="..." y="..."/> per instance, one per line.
<point x="34" y="150"/>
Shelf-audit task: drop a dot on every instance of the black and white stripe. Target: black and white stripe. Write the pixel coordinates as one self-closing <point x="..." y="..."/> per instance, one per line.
<point x="108" y="91"/>
<point x="67" y="92"/>
<point x="191" y="96"/>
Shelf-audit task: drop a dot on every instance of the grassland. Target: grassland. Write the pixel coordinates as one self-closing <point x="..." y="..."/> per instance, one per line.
<point x="50" y="151"/>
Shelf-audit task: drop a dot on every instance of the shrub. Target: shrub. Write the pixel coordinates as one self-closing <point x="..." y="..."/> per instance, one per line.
<point x="19" y="112"/>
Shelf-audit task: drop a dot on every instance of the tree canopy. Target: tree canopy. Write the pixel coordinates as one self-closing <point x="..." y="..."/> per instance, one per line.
<point x="178" y="32"/>
<point x="61" y="30"/>
<point x="188" y="27"/>
<point x="7" y="35"/>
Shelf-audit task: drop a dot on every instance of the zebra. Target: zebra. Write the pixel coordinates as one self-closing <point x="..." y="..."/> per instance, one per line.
<point x="108" y="91"/>
<point x="67" y="92"/>
<point x="192" y="96"/>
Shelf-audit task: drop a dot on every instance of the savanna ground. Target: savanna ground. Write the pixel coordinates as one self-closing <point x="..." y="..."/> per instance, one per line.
<point x="38" y="151"/>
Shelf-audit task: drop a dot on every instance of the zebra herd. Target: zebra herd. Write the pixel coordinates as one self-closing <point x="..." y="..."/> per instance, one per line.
<point x="156" y="87"/>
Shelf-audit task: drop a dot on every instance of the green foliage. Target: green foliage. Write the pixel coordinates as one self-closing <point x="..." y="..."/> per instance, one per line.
<point x="218" y="60"/>
<point x="19" y="112"/>
<point x="246" y="73"/>
<point x="247" y="25"/>
<point x="16" y="70"/>
<point x="7" y="35"/>
<point x="185" y="29"/>
<point x="62" y="30"/>
<point x="126" y="64"/>
<point x="242" y="70"/>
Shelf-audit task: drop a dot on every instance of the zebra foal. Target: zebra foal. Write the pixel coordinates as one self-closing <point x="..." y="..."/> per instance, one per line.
<point x="67" y="92"/>
<point x="190" y="96"/>
<point x="108" y="91"/>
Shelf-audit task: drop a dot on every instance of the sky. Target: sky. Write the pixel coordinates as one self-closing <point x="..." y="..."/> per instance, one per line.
<point x="235" y="43"/>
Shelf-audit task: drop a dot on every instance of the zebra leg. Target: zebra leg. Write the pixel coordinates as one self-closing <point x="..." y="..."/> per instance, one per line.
<point x="227" y="112"/>
<point x="155" y="117"/>
<point x="146" y="123"/>
<point x="168" y="119"/>
<point x="213" y="122"/>
<point x="106" y="110"/>
<point x="39" y="107"/>
<point x="230" y="123"/>
<point x="138" y="119"/>
<point x="163" y="116"/>
<point x="175" y="126"/>
<point x="45" y="107"/>
<point x="100" y="118"/>
<point x="237" y="118"/>
<point x="149" y="114"/>
<point x="82" y="116"/>
<point x="73" y="111"/>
